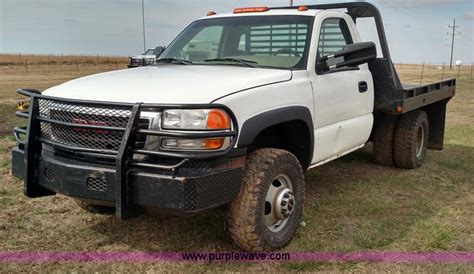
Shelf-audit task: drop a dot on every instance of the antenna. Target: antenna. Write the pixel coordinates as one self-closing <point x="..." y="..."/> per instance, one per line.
<point x="143" y="24"/>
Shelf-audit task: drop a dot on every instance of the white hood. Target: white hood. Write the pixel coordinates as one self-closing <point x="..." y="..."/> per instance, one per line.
<point x="168" y="84"/>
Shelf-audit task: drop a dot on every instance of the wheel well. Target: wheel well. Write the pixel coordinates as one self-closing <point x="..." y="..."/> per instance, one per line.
<point x="293" y="136"/>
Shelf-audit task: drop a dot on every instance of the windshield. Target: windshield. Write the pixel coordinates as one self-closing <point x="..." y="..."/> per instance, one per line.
<point x="149" y="52"/>
<point x="257" y="41"/>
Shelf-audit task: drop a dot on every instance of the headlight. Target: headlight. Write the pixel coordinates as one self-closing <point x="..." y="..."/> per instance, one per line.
<point x="196" y="119"/>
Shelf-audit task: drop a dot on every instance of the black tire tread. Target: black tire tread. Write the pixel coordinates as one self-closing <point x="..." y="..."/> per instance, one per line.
<point x="383" y="140"/>
<point x="405" y="138"/>
<point x="243" y="215"/>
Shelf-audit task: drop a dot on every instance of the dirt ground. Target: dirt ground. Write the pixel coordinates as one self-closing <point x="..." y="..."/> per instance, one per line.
<point x="351" y="204"/>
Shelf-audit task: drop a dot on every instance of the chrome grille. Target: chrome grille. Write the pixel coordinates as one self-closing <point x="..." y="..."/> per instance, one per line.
<point x="85" y="138"/>
<point x="101" y="115"/>
<point x="114" y="116"/>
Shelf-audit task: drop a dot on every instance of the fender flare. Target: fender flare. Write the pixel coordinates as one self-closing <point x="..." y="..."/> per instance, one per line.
<point x="256" y="124"/>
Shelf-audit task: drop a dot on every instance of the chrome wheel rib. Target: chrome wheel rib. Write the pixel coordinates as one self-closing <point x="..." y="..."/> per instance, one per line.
<point x="420" y="139"/>
<point x="279" y="203"/>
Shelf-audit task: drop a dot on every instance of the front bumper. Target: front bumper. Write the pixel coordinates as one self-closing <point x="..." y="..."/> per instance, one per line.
<point x="136" y="63"/>
<point x="140" y="62"/>
<point x="103" y="161"/>
<point x="196" y="187"/>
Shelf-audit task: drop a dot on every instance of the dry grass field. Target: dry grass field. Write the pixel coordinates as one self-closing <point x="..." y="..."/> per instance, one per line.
<point x="351" y="203"/>
<point x="41" y="72"/>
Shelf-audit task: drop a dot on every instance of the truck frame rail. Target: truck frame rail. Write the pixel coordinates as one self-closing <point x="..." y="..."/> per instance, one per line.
<point x="418" y="96"/>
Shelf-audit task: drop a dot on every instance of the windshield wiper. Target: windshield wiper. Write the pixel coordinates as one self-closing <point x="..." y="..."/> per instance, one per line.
<point x="170" y="60"/>
<point x="248" y="63"/>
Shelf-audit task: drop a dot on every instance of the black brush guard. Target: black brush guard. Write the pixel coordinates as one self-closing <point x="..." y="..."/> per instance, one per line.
<point x="32" y="145"/>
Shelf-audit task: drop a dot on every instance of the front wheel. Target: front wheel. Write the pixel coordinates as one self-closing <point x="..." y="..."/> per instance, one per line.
<point x="269" y="207"/>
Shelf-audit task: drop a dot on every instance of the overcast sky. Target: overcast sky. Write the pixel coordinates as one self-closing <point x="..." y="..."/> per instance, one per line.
<point x="416" y="29"/>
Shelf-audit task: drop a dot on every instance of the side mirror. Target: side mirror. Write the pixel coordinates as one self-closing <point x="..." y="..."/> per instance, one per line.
<point x="159" y="50"/>
<point x="352" y="55"/>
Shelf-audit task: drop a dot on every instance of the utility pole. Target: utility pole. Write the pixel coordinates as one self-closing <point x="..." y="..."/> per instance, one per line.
<point x="453" y="33"/>
<point x="143" y="24"/>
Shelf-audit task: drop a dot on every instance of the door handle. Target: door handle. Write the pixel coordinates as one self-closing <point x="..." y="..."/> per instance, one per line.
<point x="363" y="87"/>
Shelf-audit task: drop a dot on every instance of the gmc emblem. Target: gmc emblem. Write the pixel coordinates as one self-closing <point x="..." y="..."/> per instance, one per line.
<point x="86" y="122"/>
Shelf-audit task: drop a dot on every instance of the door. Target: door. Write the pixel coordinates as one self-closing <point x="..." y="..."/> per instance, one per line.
<point x="343" y="97"/>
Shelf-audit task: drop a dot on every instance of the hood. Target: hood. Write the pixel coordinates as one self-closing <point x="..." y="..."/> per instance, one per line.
<point x="168" y="84"/>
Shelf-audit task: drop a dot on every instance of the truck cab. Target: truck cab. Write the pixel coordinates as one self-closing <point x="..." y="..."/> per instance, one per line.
<point x="234" y="112"/>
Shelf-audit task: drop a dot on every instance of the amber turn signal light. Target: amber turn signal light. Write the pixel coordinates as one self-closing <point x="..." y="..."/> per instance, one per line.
<point x="213" y="143"/>
<point x="23" y="105"/>
<point x="251" y="9"/>
<point x="218" y="119"/>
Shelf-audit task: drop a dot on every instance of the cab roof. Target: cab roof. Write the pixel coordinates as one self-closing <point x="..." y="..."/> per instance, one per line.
<point x="270" y="12"/>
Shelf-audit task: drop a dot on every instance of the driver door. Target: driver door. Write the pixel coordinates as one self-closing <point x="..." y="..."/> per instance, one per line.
<point x="343" y="97"/>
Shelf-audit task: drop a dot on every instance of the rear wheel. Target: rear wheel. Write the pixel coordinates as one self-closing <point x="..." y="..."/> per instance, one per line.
<point x="411" y="140"/>
<point x="269" y="207"/>
<point x="383" y="139"/>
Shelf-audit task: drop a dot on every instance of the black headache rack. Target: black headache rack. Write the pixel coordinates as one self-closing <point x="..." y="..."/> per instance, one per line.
<point x="390" y="95"/>
<point x="112" y="131"/>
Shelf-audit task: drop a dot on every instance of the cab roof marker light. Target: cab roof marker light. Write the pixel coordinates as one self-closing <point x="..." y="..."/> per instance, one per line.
<point x="211" y="13"/>
<point x="251" y="9"/>
<point x="302" y="8"/>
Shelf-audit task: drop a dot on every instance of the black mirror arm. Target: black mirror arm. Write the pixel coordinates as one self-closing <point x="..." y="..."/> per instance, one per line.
<point x="322" y="66"/>
<point x="351" y="62"/>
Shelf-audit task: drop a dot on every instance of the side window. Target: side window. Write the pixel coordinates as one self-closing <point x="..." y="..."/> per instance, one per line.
<point x="334" y="36"/>
<point x="205" y="45"/>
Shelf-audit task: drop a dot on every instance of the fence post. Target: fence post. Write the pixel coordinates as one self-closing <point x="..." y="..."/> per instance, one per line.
<point x="26" y="66"/>
<point x="422" y="72"/>
<point x="459" y="71"/>
<point x="19" y="57"/>
<point x="77" y="65"/>
<point x="442" y="73"/>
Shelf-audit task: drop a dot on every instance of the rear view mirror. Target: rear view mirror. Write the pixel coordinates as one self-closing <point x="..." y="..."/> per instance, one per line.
<point x="352" y="55"/>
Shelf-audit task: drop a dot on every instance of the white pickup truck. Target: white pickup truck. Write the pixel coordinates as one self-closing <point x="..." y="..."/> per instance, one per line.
<point x="145" y="59"/>
<point x="235" y="111"/>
